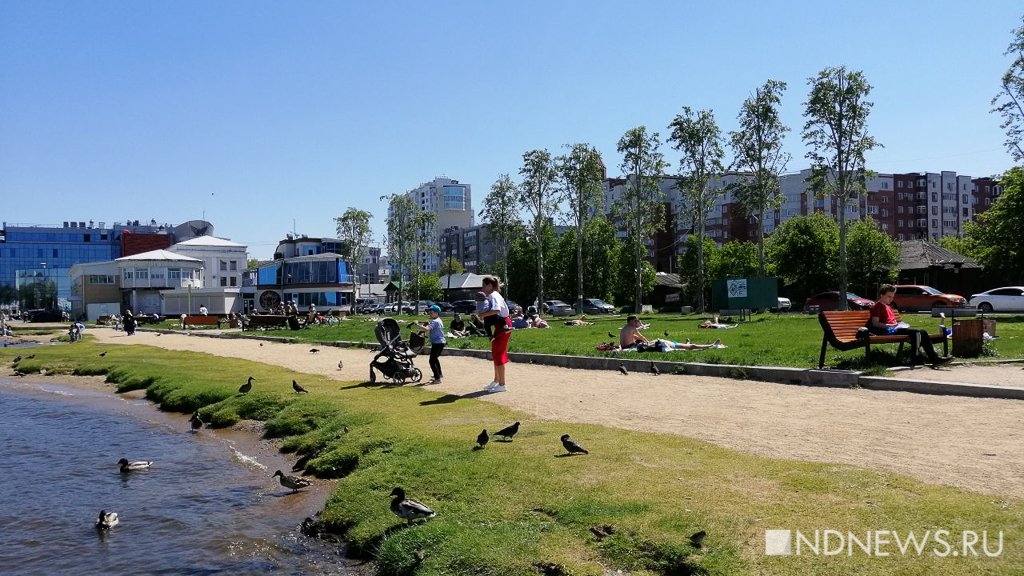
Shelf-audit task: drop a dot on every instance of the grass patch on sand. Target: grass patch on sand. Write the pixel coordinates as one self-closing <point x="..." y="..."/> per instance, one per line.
<point x="514" y="507"/>
<point x="766" y="340"/>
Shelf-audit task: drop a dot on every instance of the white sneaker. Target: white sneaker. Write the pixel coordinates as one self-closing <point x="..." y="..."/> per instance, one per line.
<point x="490" y="386"/>
<point x="496" y="388"/>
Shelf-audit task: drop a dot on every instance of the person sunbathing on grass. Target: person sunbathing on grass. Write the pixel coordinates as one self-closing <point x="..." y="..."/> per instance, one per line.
<point x="629" y="335"/>
<point x="581" y="321"/>
<point x="667" y="345"/>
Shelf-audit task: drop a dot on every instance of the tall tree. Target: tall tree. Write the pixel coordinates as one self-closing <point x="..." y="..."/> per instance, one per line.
<point x="641" y="206"/>
<point x="1009" y="102"/>
<point x="408" y="229"/>
<point x="540" y="195"/>
<point x="354" y="231"/>
<point x="697" y="136"/>
<point x="803" y="252"/>
<point x="757" y="147"/>
<point x="500" y="214"/>
<point x="997" y="235"/>
<point x="874" y="257"/>
<point x="836" y="133"/>
<point x="581" y="171"/>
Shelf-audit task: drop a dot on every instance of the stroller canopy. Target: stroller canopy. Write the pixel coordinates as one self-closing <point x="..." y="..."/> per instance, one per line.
<point x="387" y="331"/>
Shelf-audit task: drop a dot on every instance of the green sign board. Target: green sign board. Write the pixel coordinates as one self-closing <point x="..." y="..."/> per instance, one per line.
<point x="752" y="293"/>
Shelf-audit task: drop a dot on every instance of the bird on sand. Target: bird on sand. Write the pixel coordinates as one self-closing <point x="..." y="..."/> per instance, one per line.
<point x="508" y="432"/>
<point x="697" y="539"/>
<point x="132" y="466"/>
<point x="244" y="388"/>
<point x="341" y="365"/>
<point x="102" y="354"/>
<point x="106" y="520"/>
<point x="196" y="421"/>
<point x="299" y="389"/>
<point x="654" y="369"/>
<point x="293" y="482"/>
<point x="17" y="359"/>
<point x="314" y="350"/>
<point x="261" y="343"/>
<point x="622" y="368"/>
<point x="409" y="509"/>
<point x="571" y="446"/>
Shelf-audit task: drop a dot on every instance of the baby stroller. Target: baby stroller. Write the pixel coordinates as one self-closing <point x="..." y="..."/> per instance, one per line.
<point x="394" y="361"/>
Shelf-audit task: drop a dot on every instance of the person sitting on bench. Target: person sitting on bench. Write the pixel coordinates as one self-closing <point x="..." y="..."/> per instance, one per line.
<point x="883" y="322"/>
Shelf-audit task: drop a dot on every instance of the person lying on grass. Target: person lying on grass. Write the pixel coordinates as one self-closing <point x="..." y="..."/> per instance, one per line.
<point x="581" y="321"/>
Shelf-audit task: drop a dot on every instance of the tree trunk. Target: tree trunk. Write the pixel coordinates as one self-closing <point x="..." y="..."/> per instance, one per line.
<point x="579" y="270"/>
<point x="760" y="243"/>
<point x="843" y="304"/>
<point x="538" y="232"/>
<point x="700" y="266"/>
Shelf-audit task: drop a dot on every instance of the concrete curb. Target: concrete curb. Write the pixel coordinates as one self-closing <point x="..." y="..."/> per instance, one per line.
<point x="775" y="374"/>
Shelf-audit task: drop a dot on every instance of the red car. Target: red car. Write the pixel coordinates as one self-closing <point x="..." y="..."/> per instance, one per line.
<point x="830" y="301"/>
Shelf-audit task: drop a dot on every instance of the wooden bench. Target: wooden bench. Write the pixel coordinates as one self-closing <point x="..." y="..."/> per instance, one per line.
<point x="202" y="321"/>
<point x="840" y="330"/>
<point x="742" y="313"/>
<point x="265" y="321"/>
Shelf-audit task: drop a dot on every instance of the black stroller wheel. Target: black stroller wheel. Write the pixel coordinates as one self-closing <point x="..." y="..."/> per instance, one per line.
<point x="373" y="375"/>
<point x="417" y="375"/>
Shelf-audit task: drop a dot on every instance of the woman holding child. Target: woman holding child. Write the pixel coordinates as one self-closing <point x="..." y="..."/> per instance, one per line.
<point x="496" y="307"/>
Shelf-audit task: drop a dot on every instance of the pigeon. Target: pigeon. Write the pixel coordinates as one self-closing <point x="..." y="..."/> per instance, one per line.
<point x="132" y="466"/>
<point x="698" y="538"/>
<point x="261" y="343"/>
<point x="622" y="368"/>
<point x="610" y="335"/>
<point x="17" y="359"/>
<point x="341" y="365"/>
<point x="654" y="369"/>
<point x="102" y="354"/>
<point x="293" y="482"/>
<point x="244" y="388"/>
<point x="482" y="438"/>
<point x="196" y="421"/>
<point x="409" y="509"/>
<point x="30" y="356"/>
<point x="508" y="432"/>
<point x="666" y="333"/>
<point x="571" y="446"/>
<point x="299" y="389"/>
<point x="106" y="520"/>
<point x="314" y="350"/>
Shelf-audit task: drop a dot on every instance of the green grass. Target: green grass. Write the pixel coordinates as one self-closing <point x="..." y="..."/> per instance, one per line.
<point x="766" y="340"/>
<point x="511" y="506"/>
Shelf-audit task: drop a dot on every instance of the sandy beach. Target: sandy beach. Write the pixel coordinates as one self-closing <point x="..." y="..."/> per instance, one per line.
<point x="970" y="443"/>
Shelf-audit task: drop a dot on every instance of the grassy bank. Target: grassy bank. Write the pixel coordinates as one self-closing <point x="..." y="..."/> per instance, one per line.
<point x="767" y="340"/>
<point x="512" y="506"/>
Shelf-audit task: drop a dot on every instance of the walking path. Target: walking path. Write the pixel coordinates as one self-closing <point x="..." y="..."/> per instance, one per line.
<point x="971" y="443"/>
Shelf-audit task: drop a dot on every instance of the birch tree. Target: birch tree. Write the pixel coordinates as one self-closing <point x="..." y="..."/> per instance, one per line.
<point x="354" y="230"/>
<point x="408" y="229"/>
<point x="540" y="196"/>
<point x="1009" y="103"/>
<point x="581" y="171"/>
<point x="641" y="207"/>
<point x="500" y="214"/>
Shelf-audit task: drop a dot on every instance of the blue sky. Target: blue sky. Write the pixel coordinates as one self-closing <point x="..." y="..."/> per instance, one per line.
<point x="260" y="114"/>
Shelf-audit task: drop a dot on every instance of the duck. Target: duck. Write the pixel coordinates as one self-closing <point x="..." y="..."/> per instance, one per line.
<point x="106" y="520"/>
<point x="293" y="482"/>
<point x="409" y="509"/>
<point x="244" y="388"/>
<point x="196" y="421"/>
<point x="134" y="465"/>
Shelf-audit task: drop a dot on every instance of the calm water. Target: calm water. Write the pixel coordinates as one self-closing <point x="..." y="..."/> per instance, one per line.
<point x="207" y="506"/>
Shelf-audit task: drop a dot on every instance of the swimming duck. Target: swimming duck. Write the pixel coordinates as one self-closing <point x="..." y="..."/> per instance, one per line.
<point x="134" y="465"/>
<point x="408" y="508"/>
<point x="293" y="482"/>
<point x="106" y="520"/>
<point x="244" y="388"/>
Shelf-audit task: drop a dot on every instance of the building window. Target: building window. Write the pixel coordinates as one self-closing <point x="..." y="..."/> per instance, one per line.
<point x="127" y="274"/>
<point x="234" y="265"/>
<point x="100" y="279"/>
<point x="223" y="281"/>
<point x="142" y="274"/>
<point x="935" y="223"/>
<point x="223" y="266"/>
<point x="234" y="281"/>
<point x="900" y="184"/>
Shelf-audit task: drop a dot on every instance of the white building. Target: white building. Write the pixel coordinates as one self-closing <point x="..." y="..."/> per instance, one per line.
<point x="223" y="261"/>
<point x="452" y="203"/>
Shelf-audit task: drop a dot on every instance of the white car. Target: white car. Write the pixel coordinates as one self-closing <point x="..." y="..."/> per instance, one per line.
<point x="784" y="304"/>
<point x="1006" y="299"/>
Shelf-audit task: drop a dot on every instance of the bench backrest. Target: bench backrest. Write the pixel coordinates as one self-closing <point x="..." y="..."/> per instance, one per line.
<point x="843" y="325"/>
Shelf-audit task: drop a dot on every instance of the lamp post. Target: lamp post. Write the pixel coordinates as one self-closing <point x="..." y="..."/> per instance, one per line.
<point x="449" y="231"/>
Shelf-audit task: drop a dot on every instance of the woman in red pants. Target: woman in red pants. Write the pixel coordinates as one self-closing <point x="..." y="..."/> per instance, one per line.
<point x="496" y="306"/>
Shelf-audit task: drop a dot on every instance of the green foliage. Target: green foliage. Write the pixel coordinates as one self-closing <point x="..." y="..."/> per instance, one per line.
<point x="541" y="197"/>
<point x="874" y="257"/>
<point x="41" y="294"/>
<point x="430" y="287"/>
<point x="8" y="294"/>
<point x="997" y="238"/>
<point x="692" y="282"/>
<point x="697" y="136"/>
<point x="624" y="285"/>
<point x="522" y="267"/>
<point x="408" y="236"/>
<point x="580" y="173"/>
<point x="1009" y="103"/>
<point x="735" y="260"/>
<point x="836" y="132"/>
<point x="501" y="216"/>
<point x="451" y="266"/>
<point x="803" y="252"/>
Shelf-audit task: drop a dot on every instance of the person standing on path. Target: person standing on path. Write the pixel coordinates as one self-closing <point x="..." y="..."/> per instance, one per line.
<point x="496" y="306"/>
<point x="437" y="341"/>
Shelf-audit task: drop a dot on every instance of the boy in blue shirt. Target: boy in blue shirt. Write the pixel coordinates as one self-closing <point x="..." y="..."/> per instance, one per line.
<point x="437" y="341"/>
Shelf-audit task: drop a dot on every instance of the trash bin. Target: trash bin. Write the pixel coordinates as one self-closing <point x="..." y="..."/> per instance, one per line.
<point x="967" y="338"/>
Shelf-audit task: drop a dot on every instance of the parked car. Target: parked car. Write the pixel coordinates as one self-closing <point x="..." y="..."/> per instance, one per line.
<point x="1006" y="299"/>
<point x="830" y="301"/>
<point x="913" y="297"/>
<point x="557" y="308"/>
<point x="445" y="306"/>
<point x="784" y="305"/>
<point x="41" y="315"/>
<point x="512" y="306"/>
<point x="464" y="306"/>
<point x="594" y="306"/>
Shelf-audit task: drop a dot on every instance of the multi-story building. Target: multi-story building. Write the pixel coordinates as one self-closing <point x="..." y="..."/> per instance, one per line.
<point x="324" y="279"/>
<point x="452" y="204"/>
<point x="294" y="246"/>
<point x="223" y="260"/>
<point x="32" y="253"/>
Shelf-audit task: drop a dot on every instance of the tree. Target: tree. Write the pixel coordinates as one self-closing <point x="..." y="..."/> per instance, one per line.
<point x="803" y="251"/>
<point x="735" y="260"/>
<point x="1009" y="102"/>
<point x="522" y="263"/>
<point x="450" y="266"/>
<point x="430" y="287"/>
<point x="501" y="216"/>
<point x="997" y="233"/>
<point x="252" y="263"/>
<point x="836" y="131"/>
<point x="601" y="248"/>
<point x="408" y="229"/>
<point x="693" y="284"/>
<point x="8" y="294"/>
<point x="627" y="276"/>
<point x="697" y="136"/>
<point x="581" y="172"/>
<point x="538" y="192"/>
<point x="874" y="257"/>
<point x="757" y="146"/>
<point x="642" y="204"/>
<point x="354" y="231"/>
